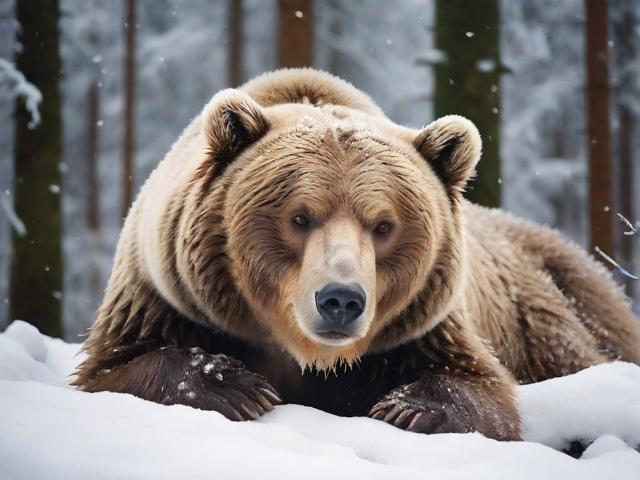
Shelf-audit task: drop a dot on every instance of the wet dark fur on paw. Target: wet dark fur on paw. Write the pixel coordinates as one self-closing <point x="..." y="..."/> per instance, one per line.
<point x="441" y="404"/>
<point x="193" y="377"/>
<point x="221" y="383"/>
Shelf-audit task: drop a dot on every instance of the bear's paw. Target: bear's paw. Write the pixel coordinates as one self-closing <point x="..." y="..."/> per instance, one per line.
<point x="406" y="409"/>
<point x="220" y="383"/>
<point x="442" y="404"/>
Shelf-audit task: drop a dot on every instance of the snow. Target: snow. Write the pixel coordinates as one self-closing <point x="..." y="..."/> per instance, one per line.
<point x="12" y="217"/>
<point x="600" y="400"/>
<point x="21" y="87"/>
<point x="50" y="430"/>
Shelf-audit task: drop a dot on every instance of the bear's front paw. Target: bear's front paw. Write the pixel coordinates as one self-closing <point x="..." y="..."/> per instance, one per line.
<point x="406" y="409"/>
<point x="441" y="404"/>
<point x="223" y="384"/>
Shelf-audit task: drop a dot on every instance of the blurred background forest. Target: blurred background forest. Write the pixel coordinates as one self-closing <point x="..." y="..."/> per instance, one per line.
<point x="93" y="93"/>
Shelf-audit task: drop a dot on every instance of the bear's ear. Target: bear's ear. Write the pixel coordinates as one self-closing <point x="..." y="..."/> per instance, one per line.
<point x="232" y="121"/>
<point x="452" y="146"/>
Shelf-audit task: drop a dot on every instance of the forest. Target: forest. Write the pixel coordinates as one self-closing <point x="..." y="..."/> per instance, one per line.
<point x="93" y="94"/>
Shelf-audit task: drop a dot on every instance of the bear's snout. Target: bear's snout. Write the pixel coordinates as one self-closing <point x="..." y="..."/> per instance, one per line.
<point x="339" y="306"/>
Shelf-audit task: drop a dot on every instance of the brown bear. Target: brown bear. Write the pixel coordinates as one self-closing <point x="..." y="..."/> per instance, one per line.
<point x="297" y="246"/>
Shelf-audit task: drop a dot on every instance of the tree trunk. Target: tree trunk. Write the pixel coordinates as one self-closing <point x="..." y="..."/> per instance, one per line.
<point x="93" y="109"/>
<point x="93" y="184"/>
<point x="337" y="63"/>
<point x="36" y="267"/>
<point x="295" y="33"/>
<point x="625" y="58"/>
<point x="598" y="136"/>
<point x="235" y="59"/>
<point x="467" y="82"/>
<point x="129" y="106"/>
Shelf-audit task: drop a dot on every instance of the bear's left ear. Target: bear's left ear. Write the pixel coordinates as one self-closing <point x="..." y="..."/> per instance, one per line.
<point x="231" y="122"/>
<point x="452" y="146"/>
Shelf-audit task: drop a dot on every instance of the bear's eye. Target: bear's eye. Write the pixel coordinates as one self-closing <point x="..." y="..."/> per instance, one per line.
<point x="301" y="221"/>
<point x="383" y="228"/>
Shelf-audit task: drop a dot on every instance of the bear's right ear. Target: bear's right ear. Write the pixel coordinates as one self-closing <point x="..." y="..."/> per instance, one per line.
<point x="232" y="121"/>
<point x="452" y="146"/>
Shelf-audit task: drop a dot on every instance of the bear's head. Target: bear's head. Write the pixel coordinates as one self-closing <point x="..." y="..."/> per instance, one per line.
<point x="330" y="231"/>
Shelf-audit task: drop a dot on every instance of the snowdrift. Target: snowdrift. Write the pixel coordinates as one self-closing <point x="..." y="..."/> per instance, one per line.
<point x="49" y="430"/>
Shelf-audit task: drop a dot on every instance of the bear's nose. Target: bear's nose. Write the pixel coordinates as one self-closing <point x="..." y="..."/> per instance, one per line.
<point x="339" y="305"/>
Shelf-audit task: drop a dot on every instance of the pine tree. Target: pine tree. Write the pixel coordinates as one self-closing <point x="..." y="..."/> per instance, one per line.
<point x="36" y="266"/>
<point x="598" y="134"/>
<point x="295" y="33"/>
<point x="626" y="37"/>
<point x="93" y="184"/>
<point x="236" y="37"/>
<point x="467" y="82"/>
<point x="128" y="147"/>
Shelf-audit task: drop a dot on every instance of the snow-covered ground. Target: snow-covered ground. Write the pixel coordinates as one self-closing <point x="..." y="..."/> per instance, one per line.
<point x="49" y="430"/>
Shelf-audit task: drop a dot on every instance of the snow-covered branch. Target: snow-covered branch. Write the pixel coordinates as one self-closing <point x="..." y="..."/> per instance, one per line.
<point x="12" y="216"/>
<point x="633" y="229"/>
<point x="618" y="267"/>
<point x="21" y="87"/>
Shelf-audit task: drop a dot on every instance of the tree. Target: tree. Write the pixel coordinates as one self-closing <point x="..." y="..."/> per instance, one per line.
<point x="36" y="266"/>
<point x="467" y="82"/>
<point x="236" y="37"/>
<point x="93" y="151"/>
<point x="93" y="184"/>
<point x="129" y="105"/>
<point x="295" y="33"/>
<point x="625" y="64"/>
<point x="598" y="136"/>
<point x="337" y="63"/>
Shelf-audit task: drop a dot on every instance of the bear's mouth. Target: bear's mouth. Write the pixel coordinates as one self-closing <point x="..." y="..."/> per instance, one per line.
<point x="336" y="337"/>
<point x="334" y="334"/>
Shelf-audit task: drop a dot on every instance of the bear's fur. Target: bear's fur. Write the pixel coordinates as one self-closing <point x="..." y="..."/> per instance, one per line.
<point x="296" y="180"/>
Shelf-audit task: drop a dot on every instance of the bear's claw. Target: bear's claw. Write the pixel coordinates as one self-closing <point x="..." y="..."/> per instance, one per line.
<point x="412" y="418"/>
<point x="441" y="404"/>
<point x="222" y="384"/>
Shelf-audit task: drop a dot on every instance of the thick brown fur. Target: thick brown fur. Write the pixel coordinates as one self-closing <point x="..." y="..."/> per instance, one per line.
<point x="207" y="304"/>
